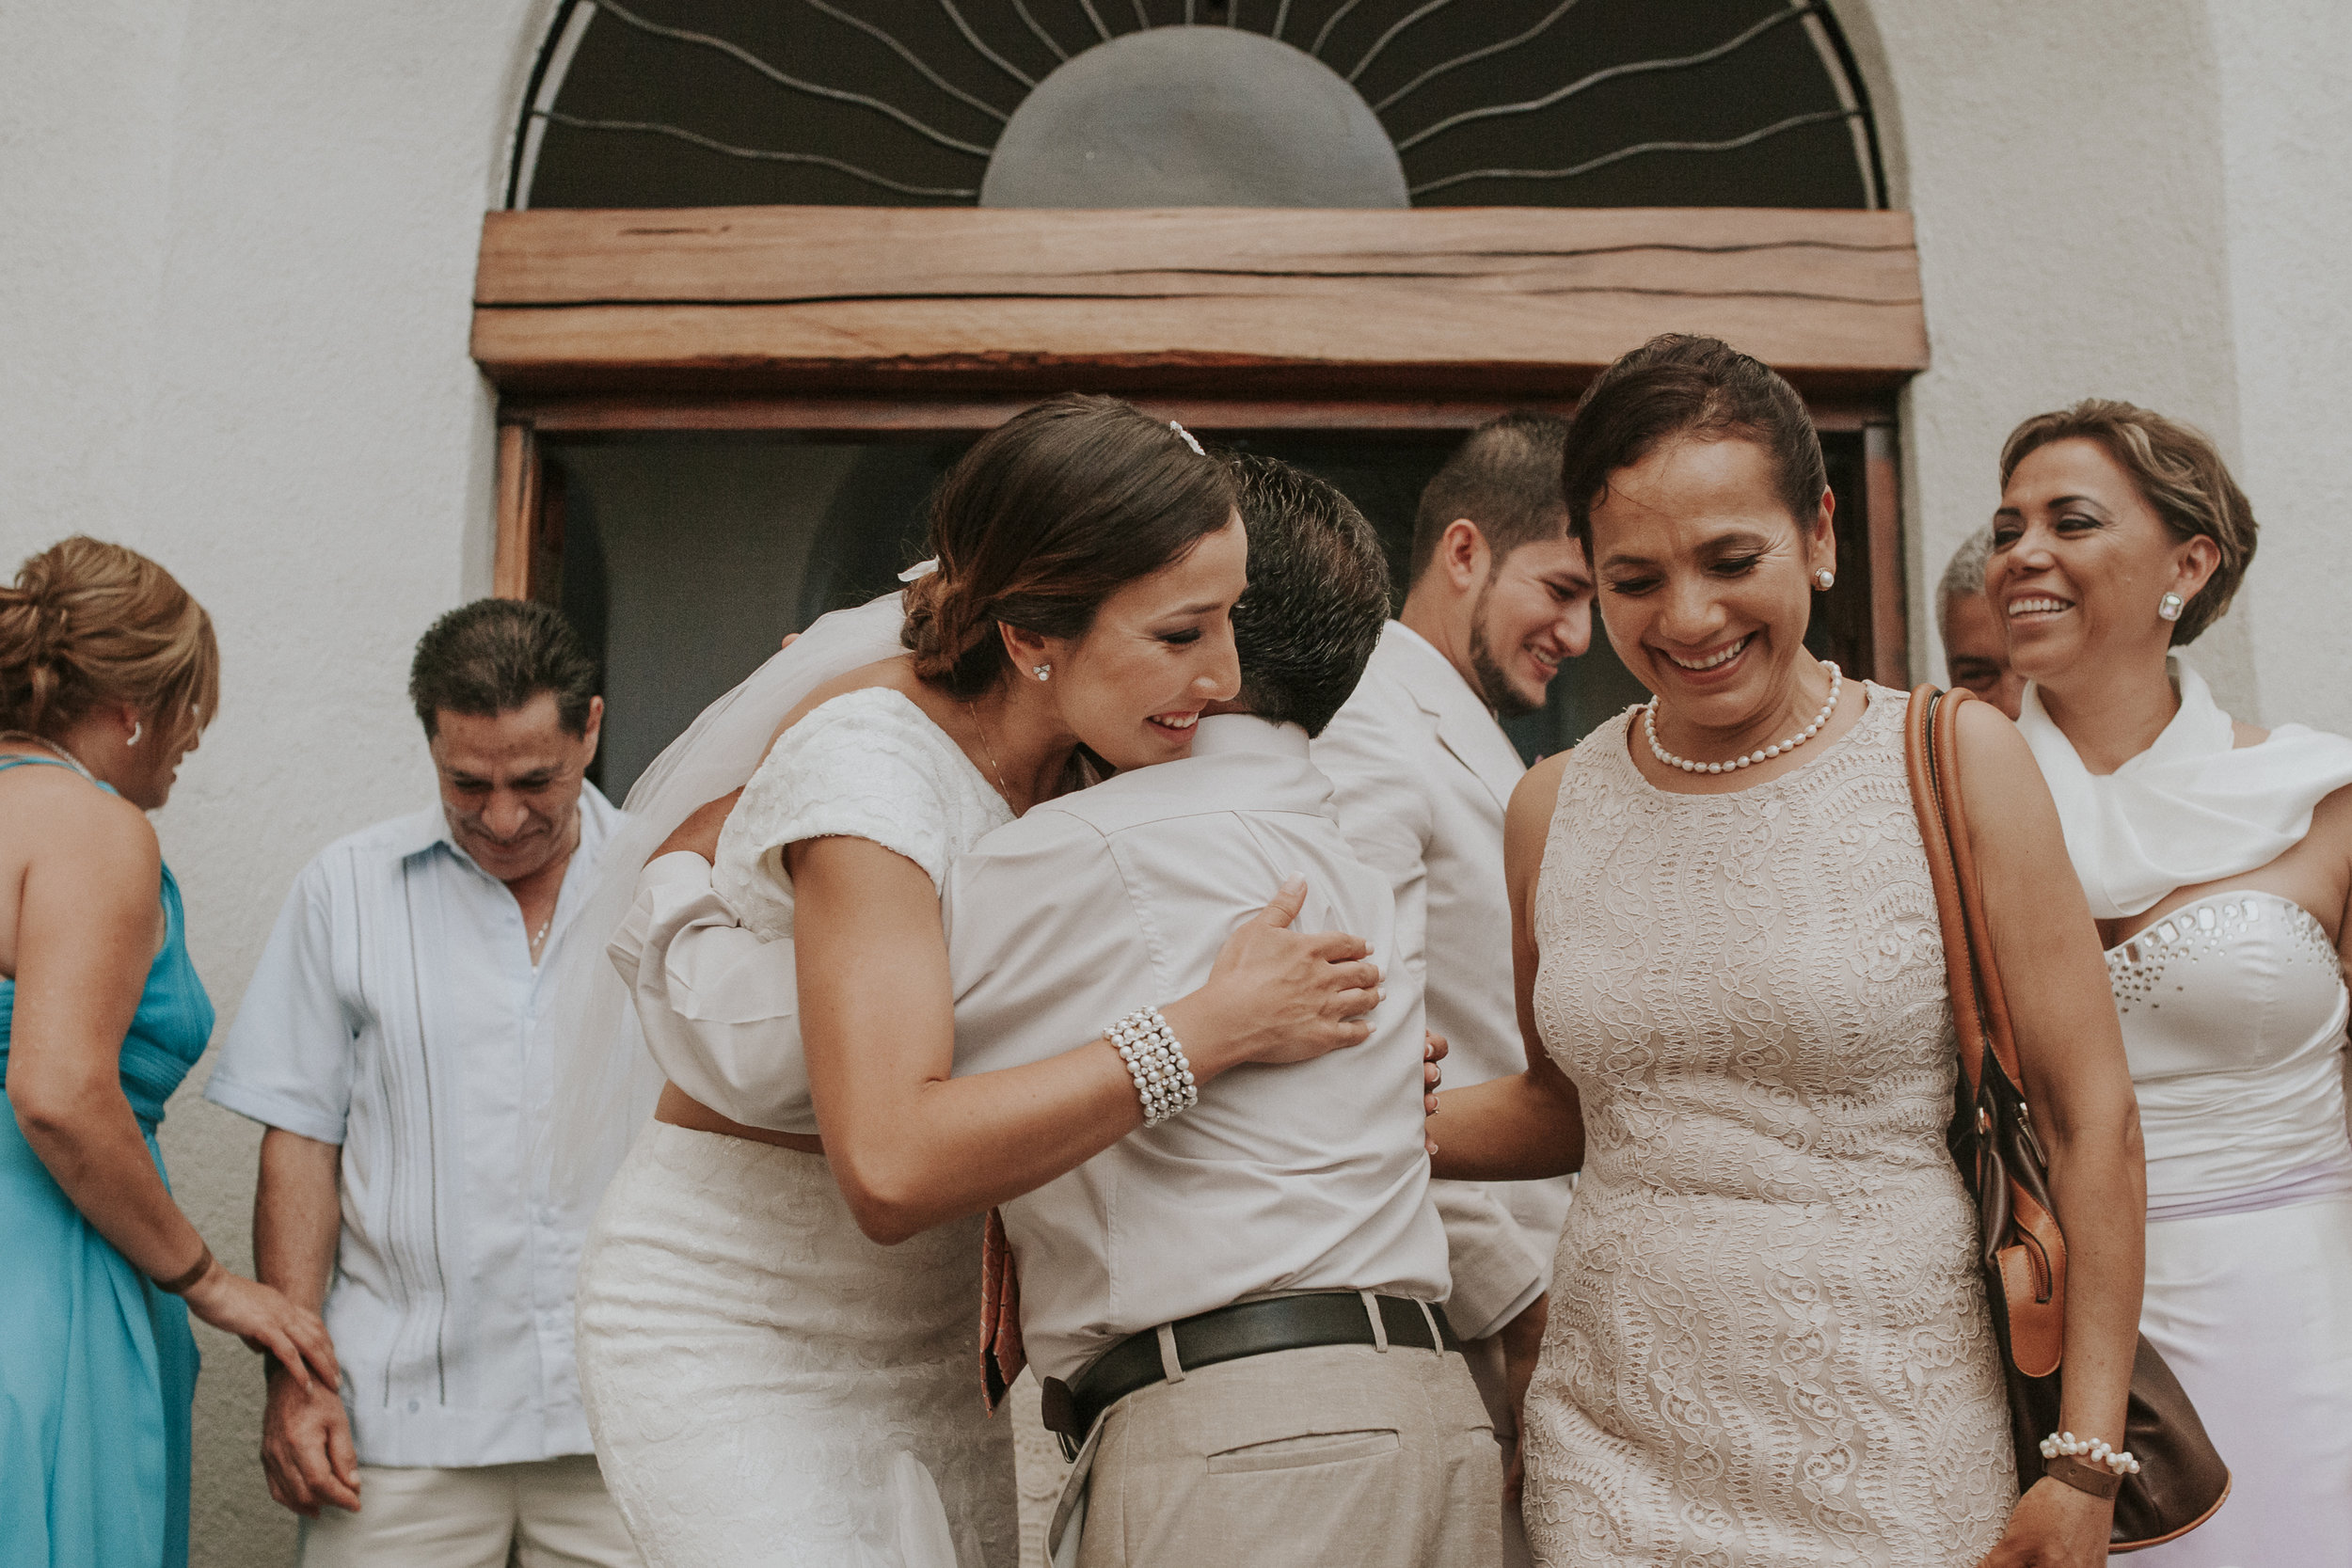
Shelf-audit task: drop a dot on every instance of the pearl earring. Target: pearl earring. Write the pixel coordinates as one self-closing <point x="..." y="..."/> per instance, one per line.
<point x="1042" y="670"/>
<point x="2168" y="607"/>
<point x="1823" y="579"/>
<point x="138" y="727"/>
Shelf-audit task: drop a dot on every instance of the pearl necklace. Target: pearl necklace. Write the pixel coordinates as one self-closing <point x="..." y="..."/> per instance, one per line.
<point x="1650" y="728"/>
<point x="27" y="737"/>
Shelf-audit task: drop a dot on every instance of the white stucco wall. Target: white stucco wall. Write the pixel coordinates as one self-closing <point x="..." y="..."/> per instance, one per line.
<point x="2286" y="154"/>
<point x="236" y="246"/>
<point x="236" y="256"/>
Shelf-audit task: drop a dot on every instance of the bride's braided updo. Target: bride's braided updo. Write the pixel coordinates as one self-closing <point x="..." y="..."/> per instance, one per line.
<point x="1045" y="517"/>
<point x="87" y="622"/>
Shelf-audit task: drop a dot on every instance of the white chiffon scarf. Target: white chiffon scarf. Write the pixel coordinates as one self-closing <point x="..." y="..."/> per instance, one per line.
<point x="2191" y="808"/>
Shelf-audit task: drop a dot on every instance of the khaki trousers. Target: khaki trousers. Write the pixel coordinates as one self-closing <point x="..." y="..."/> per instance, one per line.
<point x="1487" y="1372"/>
<point x="548" y="1513"/>
<point x="1341" y="1455"/>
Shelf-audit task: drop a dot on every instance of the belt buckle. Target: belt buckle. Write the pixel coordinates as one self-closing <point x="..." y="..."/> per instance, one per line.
<point x="1059" y="1409"/>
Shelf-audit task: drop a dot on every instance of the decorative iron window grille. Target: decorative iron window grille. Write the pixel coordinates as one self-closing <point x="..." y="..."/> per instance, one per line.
<point x="1484" y="102"/>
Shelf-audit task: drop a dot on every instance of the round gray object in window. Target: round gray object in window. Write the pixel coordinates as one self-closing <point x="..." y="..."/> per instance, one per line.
<point x="1194" y="117"/>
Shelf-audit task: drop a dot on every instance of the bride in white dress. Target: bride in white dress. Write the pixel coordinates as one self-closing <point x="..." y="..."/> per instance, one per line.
<point x="2218" y="858"/>
<point x="777" y="1322"/>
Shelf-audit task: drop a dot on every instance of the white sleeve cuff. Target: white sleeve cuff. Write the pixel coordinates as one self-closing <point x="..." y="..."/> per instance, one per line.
<point x="720" y="1007"/>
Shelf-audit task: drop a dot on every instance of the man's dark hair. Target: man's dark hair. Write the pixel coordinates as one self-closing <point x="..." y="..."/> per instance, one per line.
<point x="1505" y="479"/>
<point x="496" y="655"/>
<point x="1318" y="599"/>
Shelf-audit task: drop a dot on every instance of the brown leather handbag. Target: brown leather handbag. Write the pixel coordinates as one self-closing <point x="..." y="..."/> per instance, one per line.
<point x="2181" y="1481"/>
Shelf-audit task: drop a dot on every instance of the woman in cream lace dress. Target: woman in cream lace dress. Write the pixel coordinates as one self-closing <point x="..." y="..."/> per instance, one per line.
<point x="2217" y="859"/>
<point x="1768" y="1345"/>
<point x="778" y="1334"/>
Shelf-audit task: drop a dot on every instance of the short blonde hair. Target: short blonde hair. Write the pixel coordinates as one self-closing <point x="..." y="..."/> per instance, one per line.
<point x="87" y="622"/>
<point x="2178" y="470"/>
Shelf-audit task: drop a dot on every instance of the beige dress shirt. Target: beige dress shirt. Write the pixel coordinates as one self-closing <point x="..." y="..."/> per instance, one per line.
<point x="1309" y="1177"/>
<point x="1422" y="775"/>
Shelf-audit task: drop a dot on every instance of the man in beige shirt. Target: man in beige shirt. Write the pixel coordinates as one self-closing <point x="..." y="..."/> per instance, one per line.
<point x="1233" y="1310"/>
<point x="1422" y="770"/>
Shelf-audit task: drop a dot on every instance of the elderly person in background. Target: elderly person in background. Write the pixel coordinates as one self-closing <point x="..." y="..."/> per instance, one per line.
<point x="1421" y="771"/>
<point x="108" y="673"/>
<point x="2218" y="858"/>
<point x="387" y="1042"/>
<point x="1976" y="650"/>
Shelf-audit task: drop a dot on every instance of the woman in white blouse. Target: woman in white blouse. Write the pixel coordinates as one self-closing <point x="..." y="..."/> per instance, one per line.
<point x="2218" y="859"/>
<point x="777" y="1323"/>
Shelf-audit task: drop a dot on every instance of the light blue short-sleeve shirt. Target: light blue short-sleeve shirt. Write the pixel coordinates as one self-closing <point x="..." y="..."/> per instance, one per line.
<point x="394" y="1013"/>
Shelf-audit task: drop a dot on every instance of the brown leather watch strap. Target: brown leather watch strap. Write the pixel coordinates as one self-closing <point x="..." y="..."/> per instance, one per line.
<point x="183" y="1284"/>
<point x="2083" y="1476"/>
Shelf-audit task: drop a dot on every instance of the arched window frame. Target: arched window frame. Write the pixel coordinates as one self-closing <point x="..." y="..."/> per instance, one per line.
<point x="883" y="321"/>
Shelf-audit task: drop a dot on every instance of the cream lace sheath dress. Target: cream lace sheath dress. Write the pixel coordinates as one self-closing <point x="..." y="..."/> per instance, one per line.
<point x="754" y="1369"/>
<point x="1768" y="1345"/>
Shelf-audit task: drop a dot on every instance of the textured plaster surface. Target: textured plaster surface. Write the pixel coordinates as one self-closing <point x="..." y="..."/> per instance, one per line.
<point x="236" y="247"/>
<point x="2286" y="88"/>
<point x="236" y="253"/>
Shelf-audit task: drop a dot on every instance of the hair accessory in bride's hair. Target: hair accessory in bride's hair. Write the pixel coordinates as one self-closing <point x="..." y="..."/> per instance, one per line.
<point x="920" y="569"/>
<point x="1186" y="436"/>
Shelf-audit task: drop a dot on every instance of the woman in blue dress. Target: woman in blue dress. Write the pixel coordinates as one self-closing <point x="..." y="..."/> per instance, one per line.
<point x="108" y="673"/>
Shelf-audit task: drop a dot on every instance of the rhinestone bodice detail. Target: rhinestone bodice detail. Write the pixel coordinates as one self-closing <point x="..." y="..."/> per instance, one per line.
<point x="2234" y="1010"/>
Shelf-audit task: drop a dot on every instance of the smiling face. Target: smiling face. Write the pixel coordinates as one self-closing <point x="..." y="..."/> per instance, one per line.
<point x="1705" y="589"/>
<point x="2080" y="562"/>
<point x="1534" y="610"/>
<point x="1159" y="651"/>
<point x="511" y="781"/>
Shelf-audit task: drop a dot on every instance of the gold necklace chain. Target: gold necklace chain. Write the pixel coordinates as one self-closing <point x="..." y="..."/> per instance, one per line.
<point x="988" y="752"/>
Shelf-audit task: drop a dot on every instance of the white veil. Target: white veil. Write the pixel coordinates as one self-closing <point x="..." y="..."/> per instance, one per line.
<point x="605" y="1080"/>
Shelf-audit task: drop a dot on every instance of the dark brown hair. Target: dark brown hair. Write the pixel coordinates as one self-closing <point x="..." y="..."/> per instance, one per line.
<point x="1045" y="517"/>
<point x="1677" y="385"/>
<point x="2178" y="470"/>
<point x="87" y="622"/>
<point x="493" y="656"/>
<point x="1318" y="599"/>
<point x="1505" y="480"/>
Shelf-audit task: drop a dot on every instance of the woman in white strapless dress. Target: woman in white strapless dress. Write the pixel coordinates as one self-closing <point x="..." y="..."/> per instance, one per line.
<point x="2218" y="859"/>
<point x="1768" y="1341"/>
<point x="777" y="1335"/>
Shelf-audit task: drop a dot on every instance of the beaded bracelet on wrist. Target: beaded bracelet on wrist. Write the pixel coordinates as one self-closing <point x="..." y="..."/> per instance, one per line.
<point x="1163" y="1077"/>
<point x="2091" y="1449"/>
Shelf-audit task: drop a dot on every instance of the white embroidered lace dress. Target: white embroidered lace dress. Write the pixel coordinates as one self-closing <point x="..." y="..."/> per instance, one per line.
<point x="1768" y="1345"/>
<point x="754" y="1368"/>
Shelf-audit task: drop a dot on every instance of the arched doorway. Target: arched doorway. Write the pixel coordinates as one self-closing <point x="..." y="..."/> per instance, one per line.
<point x="722" y="420"/>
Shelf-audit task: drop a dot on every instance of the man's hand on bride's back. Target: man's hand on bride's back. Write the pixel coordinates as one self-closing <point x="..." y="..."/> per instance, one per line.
<point x="700" y="831"/>
<point x="1278" y="995"/>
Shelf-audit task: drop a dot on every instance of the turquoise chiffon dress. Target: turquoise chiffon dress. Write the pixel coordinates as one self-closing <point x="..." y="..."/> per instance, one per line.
<point x="96" y="1366"/>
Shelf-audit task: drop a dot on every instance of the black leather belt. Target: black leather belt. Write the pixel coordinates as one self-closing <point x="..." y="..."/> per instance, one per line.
<point x="1231" y="1334"/>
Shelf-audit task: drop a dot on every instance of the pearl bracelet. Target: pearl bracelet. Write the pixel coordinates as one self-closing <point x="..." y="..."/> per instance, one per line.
<point x="1163" y="1077"/>
<point x="2117" y="1461"/>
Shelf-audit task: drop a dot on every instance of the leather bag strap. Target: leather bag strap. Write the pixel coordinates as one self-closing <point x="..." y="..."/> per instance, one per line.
<point x="2030" y="1255"/>
<point x="1991" y="1001"/>
<point x="1920" y="759"/>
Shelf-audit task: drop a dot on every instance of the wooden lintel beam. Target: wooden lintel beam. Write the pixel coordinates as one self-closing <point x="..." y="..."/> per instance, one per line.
<point x="1504" y="302"/>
